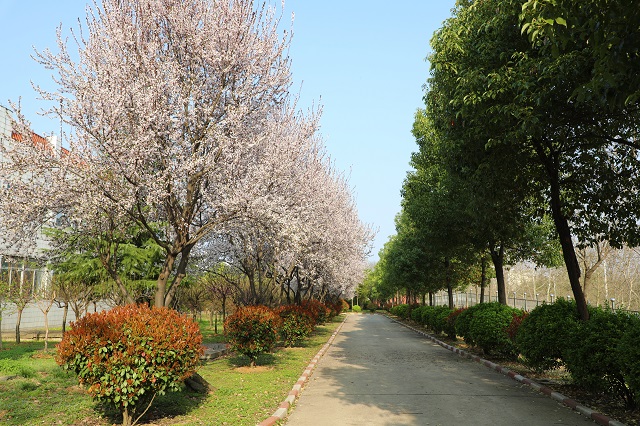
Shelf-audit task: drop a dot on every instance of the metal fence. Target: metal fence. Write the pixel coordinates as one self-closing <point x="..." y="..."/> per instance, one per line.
<point x="523" y="301"/>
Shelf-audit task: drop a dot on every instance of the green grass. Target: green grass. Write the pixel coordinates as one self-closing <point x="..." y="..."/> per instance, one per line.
<point x="44" y="394"/>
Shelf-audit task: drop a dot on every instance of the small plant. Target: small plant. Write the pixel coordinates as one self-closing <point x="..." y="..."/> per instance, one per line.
<point x="356" y="308"/>
<point x="252" y="330"/>
<point x="297" y="324"/>
<point x="130" y="354"/>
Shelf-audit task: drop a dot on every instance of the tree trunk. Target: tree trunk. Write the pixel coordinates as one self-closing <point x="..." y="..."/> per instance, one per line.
<point x="18" y="325"/>
<point x="447" y="274"/>
<point x="497" y="256"/>
<point x="483" y="278"/>
<point x="568" y="251"/>
<point x="65" y="311"/>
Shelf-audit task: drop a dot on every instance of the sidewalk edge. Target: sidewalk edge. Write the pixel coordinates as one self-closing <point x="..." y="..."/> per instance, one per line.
<point x="599" y="418"/>
<point x="283" y="409"/>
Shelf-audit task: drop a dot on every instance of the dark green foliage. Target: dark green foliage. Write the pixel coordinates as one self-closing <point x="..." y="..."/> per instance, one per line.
<point x="435" y="317"/>
<point x="628" y="355"/>
<point x="401" y="311"/>
<point x="416" y="313"/>
<point x="592" y="355"/>
<point x="252" y="330"/>
<point x="544" y="334"/>
<point x="486" y="325"/>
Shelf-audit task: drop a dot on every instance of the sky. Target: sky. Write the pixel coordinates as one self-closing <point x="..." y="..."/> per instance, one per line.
<point x="363" y="61"/>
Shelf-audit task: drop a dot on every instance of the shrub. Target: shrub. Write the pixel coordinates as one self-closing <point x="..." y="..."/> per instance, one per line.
<point x="356" y="308"/>
<point x="130" y="354"/>
<point x="544" y="334"/>
<point x="592" y="356"/>
<point x="450" y="323"/>
<point x="434" y="317"/>
<point x="297" y="324"/>
<point x="463" y="325"/>
<point x="252" y="330"/>
<point x="416" y="314"/>
<point x="628" y="355"/>
<point x="318" y="311"/>
<point x="485" y="325"/>
<point x="401" y="311"/>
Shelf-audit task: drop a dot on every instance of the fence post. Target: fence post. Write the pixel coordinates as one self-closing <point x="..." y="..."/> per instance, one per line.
<point x="551" y="297"/>
<point x="613" y="303"/>
<point x="537" y="303"/>
<point x="514" y="299"/>
<point x="525" y="301"/>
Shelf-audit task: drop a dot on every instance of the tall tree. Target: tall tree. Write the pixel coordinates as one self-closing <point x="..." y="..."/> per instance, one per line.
<point x="581" y="159"/>
<point x="180" y="114"/>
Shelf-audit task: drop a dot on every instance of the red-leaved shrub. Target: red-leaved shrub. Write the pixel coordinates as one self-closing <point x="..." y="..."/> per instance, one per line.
<point x="297" y="324"/>
<point x="252" y="330"/>
<point x="317" y="309"/>
<point x="129" y="354"/>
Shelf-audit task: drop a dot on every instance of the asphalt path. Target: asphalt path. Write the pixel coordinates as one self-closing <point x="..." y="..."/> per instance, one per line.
<point x="378" y="372"/>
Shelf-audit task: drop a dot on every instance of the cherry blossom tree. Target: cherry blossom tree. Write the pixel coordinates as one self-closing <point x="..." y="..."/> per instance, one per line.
<point x="177" y="111"/>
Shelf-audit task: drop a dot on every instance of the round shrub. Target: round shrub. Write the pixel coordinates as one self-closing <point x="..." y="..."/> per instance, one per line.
<point x="544" y="334"/>
<point x="485" y="325"/>
<point x="592" y="355"/>
<point x="356" y="308"/>
<point x="400" y="310"/>
<point x="297" y="324"/>
<point x="127" y="355"/>
<point x="252" y="330"/>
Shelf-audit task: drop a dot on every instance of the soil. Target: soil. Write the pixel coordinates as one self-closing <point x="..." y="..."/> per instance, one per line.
<point x="560" y="381"/>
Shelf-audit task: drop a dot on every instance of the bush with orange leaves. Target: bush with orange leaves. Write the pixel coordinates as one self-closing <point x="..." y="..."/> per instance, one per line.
<point x="129" y="354"/>
<point x="317" y="309"/>
<point x="297" y="324"/>
<point x="252" y="330"/>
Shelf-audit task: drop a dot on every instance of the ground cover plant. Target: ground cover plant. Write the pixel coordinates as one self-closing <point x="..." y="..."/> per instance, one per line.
<point x="239" y="396"/>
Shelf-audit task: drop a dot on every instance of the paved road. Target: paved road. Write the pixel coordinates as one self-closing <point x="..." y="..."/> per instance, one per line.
<point x="378" y="372"/>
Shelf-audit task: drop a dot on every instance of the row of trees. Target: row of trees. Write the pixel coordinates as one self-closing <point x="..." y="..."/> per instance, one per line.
<point x="528" y="144"/>
<point x="185" y="143"/>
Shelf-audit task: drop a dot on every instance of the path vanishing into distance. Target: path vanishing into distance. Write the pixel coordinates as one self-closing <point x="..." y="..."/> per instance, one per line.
<point x="378" y="372"/>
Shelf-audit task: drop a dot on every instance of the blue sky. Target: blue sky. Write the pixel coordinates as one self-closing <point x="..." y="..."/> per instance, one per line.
<point x="364" y="61"/>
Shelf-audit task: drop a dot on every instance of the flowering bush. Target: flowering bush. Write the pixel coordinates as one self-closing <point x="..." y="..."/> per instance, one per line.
<point x="130" y="354"/>
<point x="297" y="324"/>
<point x="252" y="330"/>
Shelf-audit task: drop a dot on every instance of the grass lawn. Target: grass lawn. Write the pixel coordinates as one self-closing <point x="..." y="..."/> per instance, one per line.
<point x="39" y="392"/>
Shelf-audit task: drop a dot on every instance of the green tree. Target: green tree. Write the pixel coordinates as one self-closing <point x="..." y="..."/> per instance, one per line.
<point x="518" y="99"/>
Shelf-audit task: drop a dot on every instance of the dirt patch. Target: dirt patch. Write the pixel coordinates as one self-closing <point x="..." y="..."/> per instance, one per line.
<point x="256" y="369"/>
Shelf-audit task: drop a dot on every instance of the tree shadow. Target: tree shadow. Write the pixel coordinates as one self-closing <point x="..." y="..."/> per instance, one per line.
<point x="263" y="360"/>
<point x="171" y="404"/>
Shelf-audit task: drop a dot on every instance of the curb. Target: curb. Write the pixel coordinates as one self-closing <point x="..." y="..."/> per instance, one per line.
<point x="599" y="418"/>
<point x="283" y="409"/>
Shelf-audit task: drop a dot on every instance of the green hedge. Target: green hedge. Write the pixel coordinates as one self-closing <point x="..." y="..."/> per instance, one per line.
<point x="487" y="325"/>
